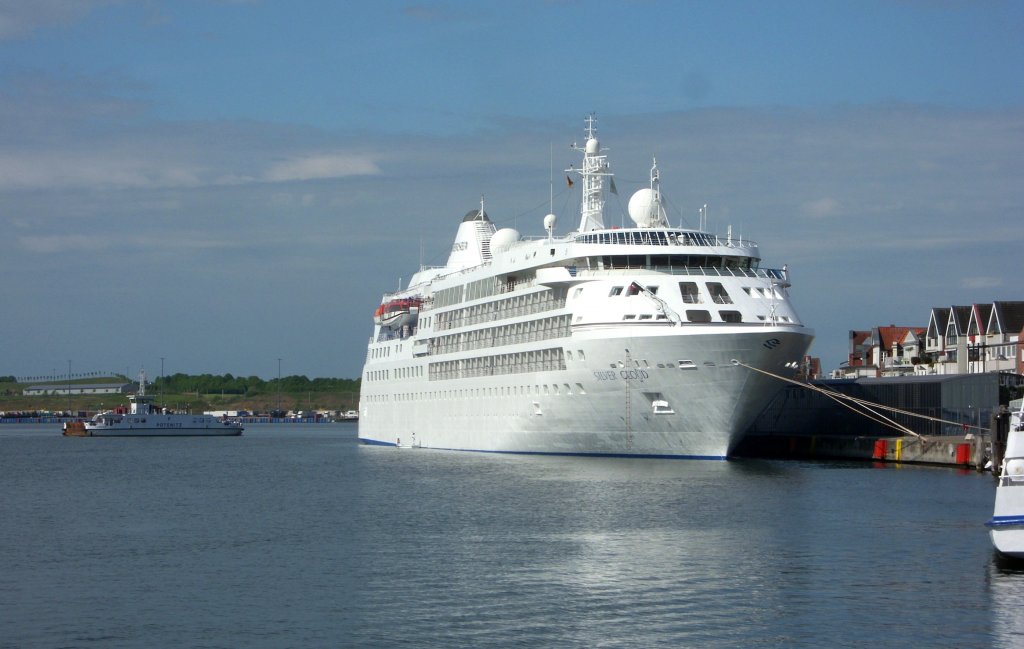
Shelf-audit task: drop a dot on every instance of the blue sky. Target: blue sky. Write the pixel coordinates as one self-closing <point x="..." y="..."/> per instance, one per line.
<point x="222" y="184"/>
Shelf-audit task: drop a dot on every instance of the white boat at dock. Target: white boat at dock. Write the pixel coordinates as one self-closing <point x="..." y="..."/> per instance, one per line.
<point x="142" y="419"/>
<point x="1007" y="524"/>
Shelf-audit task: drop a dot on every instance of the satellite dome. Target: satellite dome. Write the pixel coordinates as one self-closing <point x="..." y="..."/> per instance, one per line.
<point x="549" y="221"/>
<point x="475" y="215"/>
<point x="593" y="146"/>
<point x="503" y="239"/>
<point x="645" y="208"/>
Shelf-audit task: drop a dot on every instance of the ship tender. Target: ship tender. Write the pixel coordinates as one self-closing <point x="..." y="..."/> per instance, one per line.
<point x="632" y="341"/>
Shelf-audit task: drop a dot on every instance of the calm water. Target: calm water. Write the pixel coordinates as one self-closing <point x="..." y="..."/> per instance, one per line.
<point x="297" y="536"/>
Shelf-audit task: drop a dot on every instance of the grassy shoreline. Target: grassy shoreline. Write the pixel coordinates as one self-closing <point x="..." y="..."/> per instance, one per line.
<point x="12" y="399"/>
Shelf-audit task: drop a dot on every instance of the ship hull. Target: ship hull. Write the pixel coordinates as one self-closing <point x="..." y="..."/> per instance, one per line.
<point x="632" y="396"/>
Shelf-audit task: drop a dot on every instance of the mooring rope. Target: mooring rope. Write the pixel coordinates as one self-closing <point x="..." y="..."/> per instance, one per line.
<point x="869" y="406"/>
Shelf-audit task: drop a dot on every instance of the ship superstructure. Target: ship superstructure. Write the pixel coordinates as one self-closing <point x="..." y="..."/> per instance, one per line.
<point x="606" y="341"/>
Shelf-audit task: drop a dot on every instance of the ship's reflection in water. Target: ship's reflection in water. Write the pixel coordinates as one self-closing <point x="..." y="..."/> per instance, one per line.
<point x="1006" y="588"/>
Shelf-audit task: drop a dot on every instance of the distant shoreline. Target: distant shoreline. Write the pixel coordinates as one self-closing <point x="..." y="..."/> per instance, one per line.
<point x="244" y="420"/>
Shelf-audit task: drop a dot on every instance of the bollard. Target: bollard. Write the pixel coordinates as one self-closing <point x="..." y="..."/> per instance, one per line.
<point x="880" y="449"/>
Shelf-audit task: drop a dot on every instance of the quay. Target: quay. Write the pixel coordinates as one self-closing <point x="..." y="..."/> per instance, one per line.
<point x="970" y="451"/>
<point x="951" y="420"/>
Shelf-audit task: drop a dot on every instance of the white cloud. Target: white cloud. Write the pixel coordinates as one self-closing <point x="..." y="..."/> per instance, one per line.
<point x="316" y="167"/>
<point x="981" y="282"/>
<point x="58" y="135"/>
<point x="139" y="243"/>
<point x="821" y="208"/>
<point x="162" y="164"/>
<point x="67" y="242"/>
<point x="62" y="169"/>
<point x="19" y="18"/>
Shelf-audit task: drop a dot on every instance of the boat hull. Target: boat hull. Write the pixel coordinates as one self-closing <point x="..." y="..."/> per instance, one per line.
<point x="632" y="396"/>
<point x="1008" y="537"/>
<point x="156" y="426"/>
<point x="163" y="432"/>
<point x="1006" y="527"/>
<point x="1007" y="524"/>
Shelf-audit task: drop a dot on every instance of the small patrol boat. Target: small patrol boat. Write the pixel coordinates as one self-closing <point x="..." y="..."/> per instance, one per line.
<point x="142" y="419"/>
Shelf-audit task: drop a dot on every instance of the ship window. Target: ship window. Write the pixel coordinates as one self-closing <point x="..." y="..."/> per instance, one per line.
<point x="731" y="316"/>
<point x="568" y="390"/>
<point x="645" y="316"/>
<point x="653" y="289"/>
<point x="579" y="388"/>
<point x="579" y="352"/>
<point x="718" y="293"/>
<point x="630" y="316"/>
<point x="687" y="365"/>
<point x="568" y="355"/>
<point x="689" y="292"/>
<point x="616" y="290"/>
<point x="577" y="292"/>
<point x="698" y="315"/>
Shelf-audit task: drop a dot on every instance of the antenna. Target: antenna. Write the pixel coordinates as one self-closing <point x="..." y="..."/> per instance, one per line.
<point x="551" y="177"/>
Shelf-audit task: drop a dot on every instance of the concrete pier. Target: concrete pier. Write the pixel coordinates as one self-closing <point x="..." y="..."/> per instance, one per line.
<point x="956" y="419"/>
<point x="967" y="451"/>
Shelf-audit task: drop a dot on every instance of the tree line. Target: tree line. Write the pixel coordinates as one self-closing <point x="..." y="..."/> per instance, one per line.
<point x="249" y="385"/>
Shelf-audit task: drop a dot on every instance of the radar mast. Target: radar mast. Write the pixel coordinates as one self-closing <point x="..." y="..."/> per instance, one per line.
<point x="595" y="169"/>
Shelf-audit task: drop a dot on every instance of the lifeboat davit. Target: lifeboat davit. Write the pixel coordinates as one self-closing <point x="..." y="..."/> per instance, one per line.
<point x="398" y="313"/>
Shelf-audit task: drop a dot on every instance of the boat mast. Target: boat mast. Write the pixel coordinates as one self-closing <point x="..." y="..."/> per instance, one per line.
<point x="660" y="218"/>
<point x="595" y="169"/>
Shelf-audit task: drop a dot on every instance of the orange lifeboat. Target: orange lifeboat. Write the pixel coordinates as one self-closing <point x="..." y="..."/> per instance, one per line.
<point x="396" y="314"/>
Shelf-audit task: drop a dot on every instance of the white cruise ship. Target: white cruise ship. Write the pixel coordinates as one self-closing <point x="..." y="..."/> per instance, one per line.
<point x="639" y="341"/>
